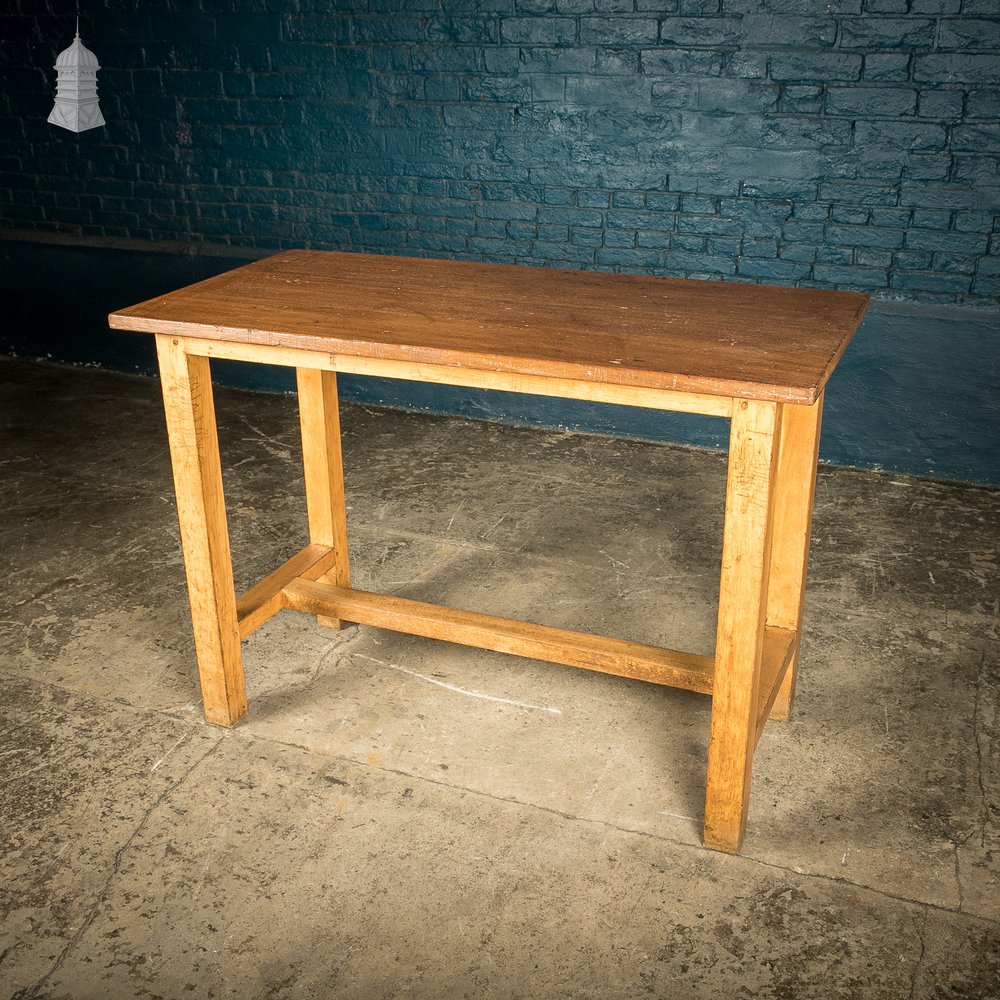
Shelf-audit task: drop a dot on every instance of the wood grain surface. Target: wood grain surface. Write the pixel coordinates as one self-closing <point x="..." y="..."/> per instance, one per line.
<point x="722" y="338"/>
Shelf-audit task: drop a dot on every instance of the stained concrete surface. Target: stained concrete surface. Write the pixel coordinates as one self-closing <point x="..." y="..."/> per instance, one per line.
<point x="403" y="818"/>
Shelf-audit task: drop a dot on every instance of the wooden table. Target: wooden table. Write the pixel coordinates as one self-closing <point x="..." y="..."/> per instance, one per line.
<point x="758" y="355"/>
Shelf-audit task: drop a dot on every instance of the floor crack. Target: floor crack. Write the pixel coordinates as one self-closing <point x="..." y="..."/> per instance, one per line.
<point x="28" y="993"/>
<point x="985" y="815"/>
<point x="918" y="965"/>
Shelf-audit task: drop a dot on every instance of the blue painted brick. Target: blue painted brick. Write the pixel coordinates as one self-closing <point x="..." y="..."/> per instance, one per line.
<point x="586" y="237"/>
<point x="924" y="195"/>
<point x="689" y="243"/>
<point x="502" y="60"/>
<point x="697" y="204"/>
<point x="618" y="30"/>
<point x="670" y="61"/>
<point x="538" y="57"/>
<point x="634" y="260"/>
<point x="987" y="286"/>
<point x="761" y="187"/>
<point x="864" y="236"/>
<point x="897" y="218"/>
<point x="593" y="199"/>
<point x="963" y="243"/>
<point x="759" y="249"/>
<point x="654" y="239"/>
<point x="491" y="228"/>
<point x="940" y="104"/>
<point x="804" y="253"/>
<point x="801" y="99"/>
<point x="978" y="138"/>
<point x="675" y="93"/>
<point x="981" y="172"/>
<point x="803" y="232"/>
<point x="386" y="30"/>
<point x="969" y="33"/>
<point x="873" y="258"/>
<point x="747" y="64"/>
<point x="562" y="251"/>
<point x="700" y="6"/>
<point x="482" y="30"/>
<point x="511" y="90"/>
<point x="893" y="137"/>
<point x="619" y="238"/>
<point x="602" y="92"/>
<point x="935" y="6"/>
<point x="328" y="29"/>
<point x="870" y="33"/>
<point x="865" y="102"/>
<point x="701" y="262"/>
<point x="568" y="216"/>
<point x="930" y="219"/>
<point x="861" y="277"/>
<point x="850" y="215"/>
<point x="773" y="270"/>
<point x="928" y="168"/>
<point x="929" y="281"/>
<point x="628" y="199"/>
<point x="974" y="222"/>
<point x="735" y="96"/>
<point x="700" y="31"/>
<point x="628" y="219"/>
<point x="446" y="59"/>
<point x="505" y="210"/>
<point x="538" y="30"/>
<point x="547" y="87"/>
<point x="788" y="30"/>
<point x="886" y="66"/>
<point x="708" y="225"/>
<point x="983" y="104"/>
<point x="951" y="263"/>
<point x="957" y="67"/>
<point x="612" y="62"/>
<point x="660" y="201"/>
<point x="501" y="246"/>
<point x="722" y="246"/>
<point x="819" y="67"/>
<point x="912" y="260"/>
<point x="478" y="116"/>
<point x="845" y="193"/>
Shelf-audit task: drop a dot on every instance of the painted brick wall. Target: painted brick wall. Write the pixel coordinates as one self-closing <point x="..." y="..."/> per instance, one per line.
<point x="838" y="143"/>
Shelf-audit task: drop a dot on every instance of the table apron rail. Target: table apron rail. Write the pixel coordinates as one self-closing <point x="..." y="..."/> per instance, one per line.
<point x="411" y="371"/>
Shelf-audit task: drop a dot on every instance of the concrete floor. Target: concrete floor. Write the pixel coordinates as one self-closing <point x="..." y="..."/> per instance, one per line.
<point x="403" y="818"/>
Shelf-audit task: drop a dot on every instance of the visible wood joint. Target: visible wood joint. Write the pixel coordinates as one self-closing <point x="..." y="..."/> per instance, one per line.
<point x="266" y="598"/>
<point x="780" y="648"/>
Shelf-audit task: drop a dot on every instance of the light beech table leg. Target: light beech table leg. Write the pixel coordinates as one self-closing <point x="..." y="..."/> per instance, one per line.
<point x="201" y="511"/>
<point x="753" y="455"/>
<point x="797" y="457"/>
<point x="322" y="463"/>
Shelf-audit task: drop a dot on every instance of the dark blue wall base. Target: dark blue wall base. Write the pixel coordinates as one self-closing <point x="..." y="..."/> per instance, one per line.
<point x="918" y="390"/>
